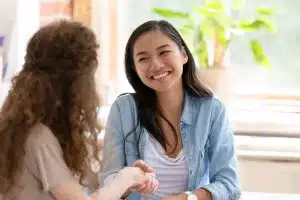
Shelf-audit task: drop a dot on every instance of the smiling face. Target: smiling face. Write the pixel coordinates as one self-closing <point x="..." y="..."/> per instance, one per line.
<point x="159" y="61"/>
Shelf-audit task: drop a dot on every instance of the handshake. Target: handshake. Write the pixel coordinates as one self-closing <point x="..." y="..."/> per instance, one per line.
<point x="143" y="178"/>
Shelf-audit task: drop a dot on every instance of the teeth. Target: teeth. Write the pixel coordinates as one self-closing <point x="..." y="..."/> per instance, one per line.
<point x="159" y="76"/>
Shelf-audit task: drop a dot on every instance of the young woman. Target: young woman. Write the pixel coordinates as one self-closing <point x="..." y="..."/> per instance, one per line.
<point x="172" y="122"/>
<point x="48" y="122"/>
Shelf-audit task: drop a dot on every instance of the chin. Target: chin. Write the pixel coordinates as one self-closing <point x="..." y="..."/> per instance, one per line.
<point x="162" y="88"/>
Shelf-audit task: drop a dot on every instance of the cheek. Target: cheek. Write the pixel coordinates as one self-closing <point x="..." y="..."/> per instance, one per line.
<point x="142" y="73"/>
<point x="172" y="59"/>
<point x="174" y="62"/>
<point x="168" y="59"/>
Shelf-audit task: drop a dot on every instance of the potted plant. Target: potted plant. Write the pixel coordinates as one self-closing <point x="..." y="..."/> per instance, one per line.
<point x="209" y="30"/>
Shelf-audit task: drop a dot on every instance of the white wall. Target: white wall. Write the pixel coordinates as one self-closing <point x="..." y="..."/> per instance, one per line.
<point x="25" y="24"/>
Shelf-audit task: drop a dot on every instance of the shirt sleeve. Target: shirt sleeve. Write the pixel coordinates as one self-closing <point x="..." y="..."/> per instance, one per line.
<point x="44" y="158"/>
<point x="113" y="146"/>
<point x="224" y="179"/>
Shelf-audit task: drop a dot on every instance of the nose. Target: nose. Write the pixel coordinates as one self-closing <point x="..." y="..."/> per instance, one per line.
<point x="157" y="63"/>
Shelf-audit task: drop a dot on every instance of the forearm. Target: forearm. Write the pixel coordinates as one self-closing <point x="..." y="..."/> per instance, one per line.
<point x="203" y="194"/>
<point x="219" y="191"/>
<point x="114" y="190"/>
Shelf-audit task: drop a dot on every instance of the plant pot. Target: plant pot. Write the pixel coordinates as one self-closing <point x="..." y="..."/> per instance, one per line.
<point x="219" y="80"/>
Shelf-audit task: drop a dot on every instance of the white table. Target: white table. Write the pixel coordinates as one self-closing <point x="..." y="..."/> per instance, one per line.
<point x="269" y="196"/>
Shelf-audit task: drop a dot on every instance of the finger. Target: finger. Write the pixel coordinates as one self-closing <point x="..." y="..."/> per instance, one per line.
<point x="137" y="188"/>
<point x="154" y="185"/>
<point x="147" y="187"/>
<point x="143" y="166"/>
<point x="151" y="174"/>
<point x="141" y="186"/>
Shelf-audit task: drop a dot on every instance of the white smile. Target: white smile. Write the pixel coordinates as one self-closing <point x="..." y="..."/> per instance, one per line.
<point x="160" y="75"/>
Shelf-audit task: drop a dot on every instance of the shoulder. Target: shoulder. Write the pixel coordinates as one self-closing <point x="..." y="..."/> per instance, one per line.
<point x="123" y="112"/>
<point x="125" y="100"/>
<point x="124" y="104"/>
<point x="212" y="103"/>
<point x="41" y="136"/>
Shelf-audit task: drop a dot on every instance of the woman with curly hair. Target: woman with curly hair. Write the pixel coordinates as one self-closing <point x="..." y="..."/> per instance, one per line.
<point x="48" y="122"/>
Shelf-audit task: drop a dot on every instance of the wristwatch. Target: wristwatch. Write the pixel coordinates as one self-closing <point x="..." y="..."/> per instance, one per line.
<point x="190" y="196"/>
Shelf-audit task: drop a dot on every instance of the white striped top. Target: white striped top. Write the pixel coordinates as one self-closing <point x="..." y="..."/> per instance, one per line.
<point x="172" y="173"/>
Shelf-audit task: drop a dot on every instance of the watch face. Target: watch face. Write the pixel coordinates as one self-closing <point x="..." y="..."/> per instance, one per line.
<point x="192" y="197"/>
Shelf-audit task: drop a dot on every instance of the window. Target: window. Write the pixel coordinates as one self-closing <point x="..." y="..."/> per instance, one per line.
<point x="267" y="101"/>
<point x="282" y="48"/>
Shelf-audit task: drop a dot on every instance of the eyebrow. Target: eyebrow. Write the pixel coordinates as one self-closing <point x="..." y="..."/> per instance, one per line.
<point x="162" y="46"/>
<point x="144" y="52"/>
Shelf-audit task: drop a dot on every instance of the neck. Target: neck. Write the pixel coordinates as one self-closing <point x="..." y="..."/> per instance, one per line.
<point x="171" y="103"/>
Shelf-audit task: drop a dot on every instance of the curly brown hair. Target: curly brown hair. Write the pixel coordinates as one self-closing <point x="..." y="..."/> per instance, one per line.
<point x="56" y="87"/>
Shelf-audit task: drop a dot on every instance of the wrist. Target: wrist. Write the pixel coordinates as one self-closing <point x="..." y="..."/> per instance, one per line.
<point x="188" y="195"/>
<point x="126" y="177"/>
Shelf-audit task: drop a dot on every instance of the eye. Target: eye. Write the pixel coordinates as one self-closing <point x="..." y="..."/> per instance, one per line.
<point x="142" y="59"/>
<point x="164" y="52"/>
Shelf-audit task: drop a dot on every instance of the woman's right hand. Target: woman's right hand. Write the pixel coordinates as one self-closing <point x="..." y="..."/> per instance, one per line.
<point x="151" y="184"/>
<point x="135" y="175"/>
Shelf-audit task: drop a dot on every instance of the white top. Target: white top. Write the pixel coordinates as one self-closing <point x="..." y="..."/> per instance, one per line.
<point x="172" y="173"/>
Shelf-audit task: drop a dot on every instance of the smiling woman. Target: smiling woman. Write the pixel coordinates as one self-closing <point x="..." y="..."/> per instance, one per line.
<point x="158" y="61"/>
<point x="170" y="120"/>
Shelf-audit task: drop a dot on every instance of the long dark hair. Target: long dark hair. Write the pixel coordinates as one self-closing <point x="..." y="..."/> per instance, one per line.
<point x="145" y="97"/>
<point x="56" y="87"/>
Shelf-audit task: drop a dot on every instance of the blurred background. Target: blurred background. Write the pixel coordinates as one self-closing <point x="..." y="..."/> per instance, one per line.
<point x="246" y="51"/>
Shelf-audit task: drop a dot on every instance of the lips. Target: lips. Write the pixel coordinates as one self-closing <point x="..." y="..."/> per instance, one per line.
<point x="160" y="75"/>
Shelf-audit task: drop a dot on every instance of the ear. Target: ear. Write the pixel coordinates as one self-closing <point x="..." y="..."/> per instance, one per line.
<point x="185" y="57"/>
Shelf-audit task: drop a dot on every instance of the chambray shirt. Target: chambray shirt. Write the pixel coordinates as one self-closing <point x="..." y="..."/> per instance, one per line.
<point x="208" y="144"/>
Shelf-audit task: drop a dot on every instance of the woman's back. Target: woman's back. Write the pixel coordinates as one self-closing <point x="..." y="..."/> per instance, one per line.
<point x="44" y="166"/>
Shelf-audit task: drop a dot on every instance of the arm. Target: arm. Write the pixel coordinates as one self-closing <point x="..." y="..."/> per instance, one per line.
<point x="113" y="151"/>
<point x="223" y="175"/>
<point x="223" y="172"/>
<point x="113" y="145"/>
<point x="129" y="176"/>
<point x="44" y="159"/>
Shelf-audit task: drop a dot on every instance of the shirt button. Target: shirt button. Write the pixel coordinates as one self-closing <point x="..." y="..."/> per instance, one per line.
<point x="191" y="172"/>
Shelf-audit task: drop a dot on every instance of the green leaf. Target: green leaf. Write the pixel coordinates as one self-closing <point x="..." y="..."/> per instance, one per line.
<point x="258" y="54"/>
<point x="214" y="4"/>
<point x="206" y="12"/>
<point x="186" y="28"/>
<point x="266" y="11"/>
<point x="187" y="31"/>
<point x="221" y="37"/>
<point x="202" y="55"/>
<point x="200" y="49"/>
<point x="206" y="29"/>
<point x="170" y="13"/>
<point x="254" y="25"/>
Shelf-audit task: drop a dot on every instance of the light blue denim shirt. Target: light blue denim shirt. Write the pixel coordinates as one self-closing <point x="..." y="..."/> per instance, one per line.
<point x="208" y="144"/>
